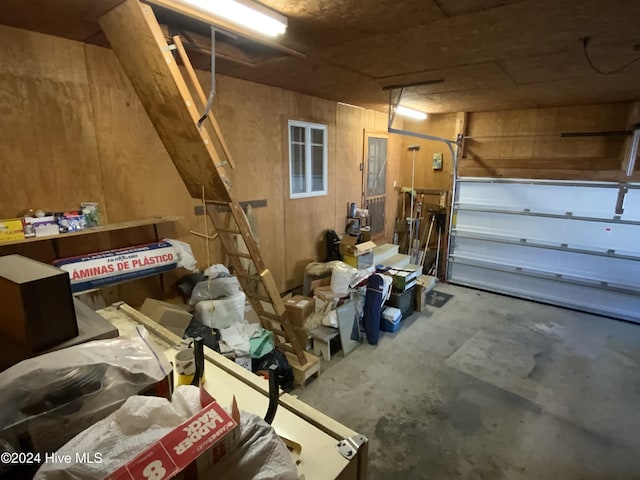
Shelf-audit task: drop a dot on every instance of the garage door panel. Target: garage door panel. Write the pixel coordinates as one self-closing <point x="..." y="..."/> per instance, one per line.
<point x="580" y="297"/>
<point x="558" y="242"/>
<point x="632" y="205"/>
<point x="597" y="236"/>
<point x="581" y="201"/>
<point x="572" y="265"/>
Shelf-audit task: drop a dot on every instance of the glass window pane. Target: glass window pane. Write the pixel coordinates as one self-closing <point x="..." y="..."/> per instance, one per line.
<point x="317" y="136"/>
<point x="377" y="166"/>
<point x="298" y="169"/>
<point x="297" y="134"/>
<point x="317" y="167"/>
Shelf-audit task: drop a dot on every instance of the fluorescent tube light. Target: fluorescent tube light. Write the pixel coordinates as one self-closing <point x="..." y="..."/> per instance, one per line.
<point x="244" y="13"/>
<point x="410" y="113"/>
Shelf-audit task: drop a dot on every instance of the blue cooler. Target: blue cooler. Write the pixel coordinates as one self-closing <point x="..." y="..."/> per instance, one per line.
<point x="390" y="321"/>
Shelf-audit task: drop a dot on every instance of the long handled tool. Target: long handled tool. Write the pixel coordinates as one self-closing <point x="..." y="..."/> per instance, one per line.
<point x="418" y="240"/>
<point x="435" y="267"/>
<point x="441" y="218"/>
<point x="426" y="245"/>
<point x="413" y="149"/>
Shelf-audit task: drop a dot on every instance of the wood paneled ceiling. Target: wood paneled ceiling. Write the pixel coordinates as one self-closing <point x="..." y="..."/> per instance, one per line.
<point x="492" y="54"/>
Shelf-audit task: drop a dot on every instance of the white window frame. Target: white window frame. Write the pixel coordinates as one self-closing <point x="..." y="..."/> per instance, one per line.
<point x="307" y="155"/>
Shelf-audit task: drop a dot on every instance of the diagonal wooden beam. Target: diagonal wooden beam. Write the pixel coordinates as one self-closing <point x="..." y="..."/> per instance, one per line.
<point x="138" y="42"/>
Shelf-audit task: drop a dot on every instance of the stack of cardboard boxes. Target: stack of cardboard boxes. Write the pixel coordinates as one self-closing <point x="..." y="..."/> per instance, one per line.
<point x="298" y="309"/>
<point x="402" y="295"/>
<point x="358" y="255"/>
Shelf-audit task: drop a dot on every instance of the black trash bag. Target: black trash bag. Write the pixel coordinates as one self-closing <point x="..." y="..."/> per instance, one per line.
<point x="284" y="370"/>
<point x="210" y="336"/>
<point x="186" y="283"/>
<point x="333" y="246"/>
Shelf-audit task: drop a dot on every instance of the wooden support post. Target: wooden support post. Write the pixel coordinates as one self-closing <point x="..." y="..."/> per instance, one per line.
<point x="633" y="119"/>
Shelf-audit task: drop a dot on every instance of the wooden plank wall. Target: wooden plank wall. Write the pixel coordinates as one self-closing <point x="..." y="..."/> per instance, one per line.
<point x="72" y="129"/>
<point x="440" y="125"/>
<point x="527" y="143"/>
<point x="48" y="143"/>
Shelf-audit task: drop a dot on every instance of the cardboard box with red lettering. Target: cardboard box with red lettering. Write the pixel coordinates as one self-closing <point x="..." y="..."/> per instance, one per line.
<point x="192" y="447"/>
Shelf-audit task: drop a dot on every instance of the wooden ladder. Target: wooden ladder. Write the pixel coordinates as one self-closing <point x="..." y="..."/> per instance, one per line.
<point x="199" y="153"/>
<point x="257" y="282"/>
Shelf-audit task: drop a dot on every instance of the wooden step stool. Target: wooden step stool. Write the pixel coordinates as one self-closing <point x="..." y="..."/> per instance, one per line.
<point x="302" y="373"/>
<point x="321" y="340"/>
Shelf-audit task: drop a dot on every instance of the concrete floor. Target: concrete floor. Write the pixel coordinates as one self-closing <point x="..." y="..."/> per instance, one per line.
<point x="491" y="387"/>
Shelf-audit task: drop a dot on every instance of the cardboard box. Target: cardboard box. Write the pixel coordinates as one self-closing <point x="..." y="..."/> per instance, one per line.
<point x="203" y="439"/>
<point x="41" y="226"/>
<point x="37" y="306"/>
<point x="320" y="282"/>
<point x="298" y="309"/>
<point x="424" y="284"/>
<point x="360" y="262"/>
<point x="11" y="229"/>
<point x="403" y="279"/>
<point x="326" y="294"/>
<point x="349" y="246"/>
<point x="170" y="316"/>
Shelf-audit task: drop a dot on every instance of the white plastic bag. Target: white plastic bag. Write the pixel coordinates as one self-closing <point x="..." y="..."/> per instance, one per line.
<point x="73" y="385"/>
<point x="341" y="278"/>
<point x="138" y="423"/>
<point x="214" y="288"/>
<point x="259" y="454"/>
<point x="330" y="319"/>
<point x="217" y="270"/>
<point x="223" y="312"/>
<point x="185" y="254"/>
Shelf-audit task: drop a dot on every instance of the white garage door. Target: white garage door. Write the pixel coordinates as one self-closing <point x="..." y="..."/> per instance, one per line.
<point x="556" y="242"/>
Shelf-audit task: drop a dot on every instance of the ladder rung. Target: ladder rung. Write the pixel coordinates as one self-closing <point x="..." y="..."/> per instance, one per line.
<point x="279" y="332"/>
<point x="217" y="202"/>
<point x="287" y="347"/>
<point x="269" y="315"/>
<point x="255" y="278"/>
<point x="257" y="296"/>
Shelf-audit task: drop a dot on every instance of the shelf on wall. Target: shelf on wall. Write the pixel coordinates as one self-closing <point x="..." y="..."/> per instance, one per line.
<point x="109" y="227"/>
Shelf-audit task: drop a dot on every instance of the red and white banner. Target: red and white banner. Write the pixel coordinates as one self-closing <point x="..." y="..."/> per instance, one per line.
<point x="112" y="266"/>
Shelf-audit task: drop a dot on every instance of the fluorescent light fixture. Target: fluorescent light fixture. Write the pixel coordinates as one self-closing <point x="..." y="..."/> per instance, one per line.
<point x="410" y="113"/>
<point x="244" y="13"/>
